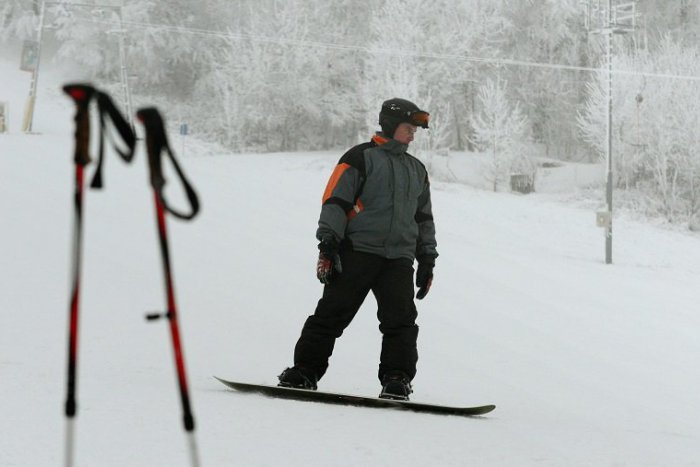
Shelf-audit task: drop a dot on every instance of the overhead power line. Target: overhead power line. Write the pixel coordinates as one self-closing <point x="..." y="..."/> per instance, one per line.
<point x="383" y="51"/>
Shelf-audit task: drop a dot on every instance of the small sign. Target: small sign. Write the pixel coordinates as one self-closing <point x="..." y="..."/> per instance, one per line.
<point x="603" y="219"/>
<point x="30" y="56"/>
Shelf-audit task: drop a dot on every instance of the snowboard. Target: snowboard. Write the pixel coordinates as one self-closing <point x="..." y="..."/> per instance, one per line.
<point x="352" y="400"/>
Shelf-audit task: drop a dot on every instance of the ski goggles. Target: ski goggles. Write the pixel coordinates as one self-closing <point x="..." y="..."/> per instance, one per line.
<point x="419" y="118"/>
<point x="414" y="117"/>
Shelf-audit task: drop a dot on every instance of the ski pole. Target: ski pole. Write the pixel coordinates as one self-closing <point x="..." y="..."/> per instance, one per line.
<point x="81" y="94"/>
<point x="156" y="143"/>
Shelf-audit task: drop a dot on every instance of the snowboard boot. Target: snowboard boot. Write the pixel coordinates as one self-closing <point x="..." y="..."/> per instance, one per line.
<point x="297" y="378"/>
<point x="396" y="385"/>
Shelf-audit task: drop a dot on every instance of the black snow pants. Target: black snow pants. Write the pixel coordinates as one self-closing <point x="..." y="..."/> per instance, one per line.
<point x="391" y="282"/>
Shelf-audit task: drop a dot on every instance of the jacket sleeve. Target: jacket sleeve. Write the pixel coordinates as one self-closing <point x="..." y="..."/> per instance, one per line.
<point x="341" y="194"/>
<point x="426" y="244"/>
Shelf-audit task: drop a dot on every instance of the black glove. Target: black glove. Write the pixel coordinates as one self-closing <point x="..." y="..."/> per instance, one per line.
<point x="424" y="275"/>
<point x="328" y="265"/>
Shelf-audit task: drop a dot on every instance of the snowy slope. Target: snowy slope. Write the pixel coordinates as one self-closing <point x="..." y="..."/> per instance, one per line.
<point x="589" y="364"/>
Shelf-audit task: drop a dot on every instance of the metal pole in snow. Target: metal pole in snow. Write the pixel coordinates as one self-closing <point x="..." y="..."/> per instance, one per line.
<point x="609" y="183"/>
<point x="620" y="20"/>
<point x="29" y="109"/>
<point x="124" y="76"/>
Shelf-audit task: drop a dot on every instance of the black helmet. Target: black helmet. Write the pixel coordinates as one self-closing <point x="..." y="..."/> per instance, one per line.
<point x="395" y="111"/>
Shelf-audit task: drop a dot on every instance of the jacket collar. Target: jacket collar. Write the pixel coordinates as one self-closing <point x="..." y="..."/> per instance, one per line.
<point x="390" y="145"/>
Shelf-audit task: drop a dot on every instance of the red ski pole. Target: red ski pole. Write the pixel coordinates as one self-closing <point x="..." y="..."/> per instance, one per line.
<point x="81" y="95"/>
<point x="156" y="143"/>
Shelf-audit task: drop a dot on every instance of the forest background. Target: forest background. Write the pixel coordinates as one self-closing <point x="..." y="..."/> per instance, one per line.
<point x="517" y="82"/>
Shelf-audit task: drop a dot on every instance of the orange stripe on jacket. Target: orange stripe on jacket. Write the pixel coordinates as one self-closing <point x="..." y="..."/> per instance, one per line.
<point x="333" y="181"/>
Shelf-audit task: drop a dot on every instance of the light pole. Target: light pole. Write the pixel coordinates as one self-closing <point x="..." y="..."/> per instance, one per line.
<point x="611" y="19"/>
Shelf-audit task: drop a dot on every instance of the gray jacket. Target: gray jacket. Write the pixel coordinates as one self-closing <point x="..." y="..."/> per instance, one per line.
<point x="378" y="201"/>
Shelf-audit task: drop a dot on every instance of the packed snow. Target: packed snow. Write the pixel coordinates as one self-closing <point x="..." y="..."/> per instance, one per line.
<point x="589" y="364"/>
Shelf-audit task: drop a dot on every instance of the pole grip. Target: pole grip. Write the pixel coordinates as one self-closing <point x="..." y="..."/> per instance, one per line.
<point x="156" y="145"/>
<point x="81" y="95"/>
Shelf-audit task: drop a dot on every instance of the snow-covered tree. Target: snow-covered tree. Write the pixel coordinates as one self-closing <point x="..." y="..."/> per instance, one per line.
<point x="548" y="32"/>
<point x="500" y="131"/>
<point x="655" y="120"/>
<point x="18" y="19"/>
<point x="391" y="70"/>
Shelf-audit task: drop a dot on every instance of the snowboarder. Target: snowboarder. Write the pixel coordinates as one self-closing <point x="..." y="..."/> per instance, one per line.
<point x="376" y="219"/>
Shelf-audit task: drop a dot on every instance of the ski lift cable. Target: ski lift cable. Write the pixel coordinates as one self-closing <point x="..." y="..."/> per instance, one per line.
<point x="384" y="51"/>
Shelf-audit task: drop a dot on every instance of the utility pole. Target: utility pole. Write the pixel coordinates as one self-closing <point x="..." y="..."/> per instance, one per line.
<point x="608" y="18"/>
<point x="31" y="100"/>
<point x="123" y="75"/>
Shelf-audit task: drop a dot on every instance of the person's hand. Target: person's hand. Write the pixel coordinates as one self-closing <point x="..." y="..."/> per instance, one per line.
<point x="424" y="276"/>
<point x="328" y="265"/>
